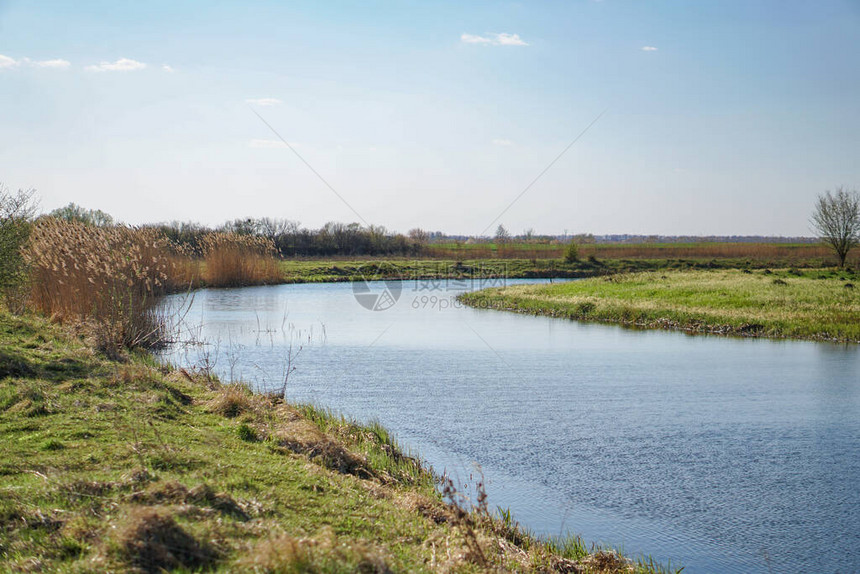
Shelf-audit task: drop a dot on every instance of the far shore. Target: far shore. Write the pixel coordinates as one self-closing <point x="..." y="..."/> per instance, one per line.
<point x="809" y="304"/>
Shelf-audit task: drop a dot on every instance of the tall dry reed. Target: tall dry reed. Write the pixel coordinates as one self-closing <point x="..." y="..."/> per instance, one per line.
<point x="109" y="278"/>
<point x="232" y="260"/>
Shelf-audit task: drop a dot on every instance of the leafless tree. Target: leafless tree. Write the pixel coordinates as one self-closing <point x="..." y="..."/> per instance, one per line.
<point x="502" y="234"/>
<point x="273" y="227"/>
<point x="418" y="235"/>
<point x="837" y="220"/>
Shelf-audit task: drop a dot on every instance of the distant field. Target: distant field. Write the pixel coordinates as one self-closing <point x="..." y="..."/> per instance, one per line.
<point x="356" y="269"/>
<point x="789" y="253"/>
<point x="810" y="304"/>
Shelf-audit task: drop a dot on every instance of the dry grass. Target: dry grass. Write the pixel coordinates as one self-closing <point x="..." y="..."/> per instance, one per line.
<point x="110" y="279"/>
<point x="233" y="400"/>
<point x="756" y="252"/>
<point x="232" y="260"/>
<point x="150" y="540"/>
<point x="607" y="562"/>
<point x="202" y="495"/>
<point x="286" y="554"/>
<point x="107" y="278"/>
<point x="751" y="251"/>
<point x="185" y="270"/>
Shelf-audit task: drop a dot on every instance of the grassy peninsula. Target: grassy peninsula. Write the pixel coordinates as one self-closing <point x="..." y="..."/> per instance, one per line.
<point x="314" y="270"/>
<point x="818" y="304"/>
<point x="123" y="465"/>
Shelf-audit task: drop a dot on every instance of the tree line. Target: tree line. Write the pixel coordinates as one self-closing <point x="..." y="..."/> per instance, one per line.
<point x="291" y="240"/>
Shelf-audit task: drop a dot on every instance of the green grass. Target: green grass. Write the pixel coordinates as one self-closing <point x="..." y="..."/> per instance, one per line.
<point x="815" y="304"/>
<point x="332" y="270"/>
<point x="336" y="270"/>
<point x="129" y="466"/>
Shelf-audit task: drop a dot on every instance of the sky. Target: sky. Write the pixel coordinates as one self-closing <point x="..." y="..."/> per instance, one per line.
<point x="702" y="117"/>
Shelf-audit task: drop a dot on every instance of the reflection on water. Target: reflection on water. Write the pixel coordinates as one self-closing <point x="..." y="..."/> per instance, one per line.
<point x="725" y="455"/>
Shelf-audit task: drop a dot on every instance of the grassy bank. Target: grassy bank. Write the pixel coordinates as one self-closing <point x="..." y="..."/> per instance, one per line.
<point x="349" y="269"/>
<point x="805" y="304"/>
<point x="123" y="465"/>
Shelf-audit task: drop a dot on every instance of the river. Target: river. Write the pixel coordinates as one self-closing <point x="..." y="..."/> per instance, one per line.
<point x="719" y="454"/>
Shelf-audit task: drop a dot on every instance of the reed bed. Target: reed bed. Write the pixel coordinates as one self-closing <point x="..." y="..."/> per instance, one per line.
<point x="232" y="260"/>
<point x="110" y="279"/>
<point x="107" y="278"/>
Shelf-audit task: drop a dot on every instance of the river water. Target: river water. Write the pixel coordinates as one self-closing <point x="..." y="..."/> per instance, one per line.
<point x="719" y="454"/>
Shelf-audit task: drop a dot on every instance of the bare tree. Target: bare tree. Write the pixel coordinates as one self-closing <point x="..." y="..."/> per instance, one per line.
<point x="837" y="220"/>
<point x="502" y="234"/>
<point x="418" y="235"/>
<point x="273" y="227"/>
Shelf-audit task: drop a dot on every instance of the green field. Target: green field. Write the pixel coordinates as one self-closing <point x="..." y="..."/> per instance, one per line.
<point x="329" y="270"/>
<point x="808" y="304"/>
<point x="343" y="269"/>
<point x="128" y="466"/>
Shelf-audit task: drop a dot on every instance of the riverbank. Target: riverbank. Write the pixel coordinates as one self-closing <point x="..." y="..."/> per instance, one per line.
<point x="816" y="304"/>
<point x="126" y="465"/>
<point x="351" y="269"/>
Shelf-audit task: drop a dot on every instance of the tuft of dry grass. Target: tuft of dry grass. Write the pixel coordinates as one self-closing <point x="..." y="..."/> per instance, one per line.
<point x="150" y="540"/>
<point x="232" y="260"/>
<point x="233" y="400"/>
<point x="324" y="552"/>
<point x="607" y="562"/>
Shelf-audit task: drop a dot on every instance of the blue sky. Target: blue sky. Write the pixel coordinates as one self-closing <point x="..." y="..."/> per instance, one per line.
<point x="721" y="117"/>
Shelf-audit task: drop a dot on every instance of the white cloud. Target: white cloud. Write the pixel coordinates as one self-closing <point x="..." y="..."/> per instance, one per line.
<point x="56" y="63"/>
<point x="266" y="144"/>
<point x="169" y="69"/>
<point x="502" y="142"/>
<point x="501" y="39"/>
<point x="510" y="40"/>
<point x="121" y="65"/>
<point x="472" y="39"/>
<point x="7" y="62"/>
<point x="649" y="49"/>
<point x="264" y="101"/>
